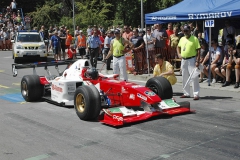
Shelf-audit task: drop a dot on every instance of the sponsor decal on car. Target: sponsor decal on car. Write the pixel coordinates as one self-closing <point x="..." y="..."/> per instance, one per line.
<point x="118" y="118"/>
<point x="142" y="97"/>
<point x="112" y="80"/>
<point x="56" y="88"/>
<point x="132" y="96"/>
<point x="150" y="93"/>
<point x="61" y="84"/>
<point x="137" y="86"/>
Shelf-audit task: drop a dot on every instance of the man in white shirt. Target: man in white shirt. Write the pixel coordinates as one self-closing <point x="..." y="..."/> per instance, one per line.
<point x="216" y="59"/>
<point x="106" y="48"/>
<point x="13" y="6"/>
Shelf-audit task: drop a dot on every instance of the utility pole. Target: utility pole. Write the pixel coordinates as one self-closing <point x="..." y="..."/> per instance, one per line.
<point x="142" y="25"/>
<point x="73" y="2"/>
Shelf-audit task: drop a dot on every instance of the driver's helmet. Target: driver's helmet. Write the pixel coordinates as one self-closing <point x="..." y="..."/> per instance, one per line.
<point x="92" y="73"/>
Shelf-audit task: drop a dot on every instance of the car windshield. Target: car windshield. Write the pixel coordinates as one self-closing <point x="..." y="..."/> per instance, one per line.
<point x="29" y="38"/>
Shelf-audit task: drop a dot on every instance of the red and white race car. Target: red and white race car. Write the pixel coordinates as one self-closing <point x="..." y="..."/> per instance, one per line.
<point x="97" y="96"/>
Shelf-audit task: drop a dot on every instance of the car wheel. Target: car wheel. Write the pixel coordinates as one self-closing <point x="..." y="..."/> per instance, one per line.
<point x="161" y="86"/>
<point x="31" y="88"/>
<point x="87" y="102"/>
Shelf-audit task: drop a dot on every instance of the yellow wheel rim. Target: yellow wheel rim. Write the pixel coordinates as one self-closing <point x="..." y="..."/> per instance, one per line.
<point x="80" y="105"/>
<point x="24" y="89"/>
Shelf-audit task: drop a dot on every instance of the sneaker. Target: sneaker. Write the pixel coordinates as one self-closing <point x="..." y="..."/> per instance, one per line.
<point x="236" y="85"/>
<point x="206" y="80"/>
<point x="196" y="98"/>
<point x="184" y="96"/>
<point x="226" y="83"/>
<point x="213" y="80"/>
<point x="200" y="80"/>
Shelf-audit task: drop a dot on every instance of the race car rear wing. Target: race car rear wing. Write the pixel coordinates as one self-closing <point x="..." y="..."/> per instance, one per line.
<point x="15" y="67"/>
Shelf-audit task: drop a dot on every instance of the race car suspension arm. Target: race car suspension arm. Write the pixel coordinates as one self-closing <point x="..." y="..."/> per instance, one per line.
<point x="113" y="94"/>
<point x="47" y="70"/>
<point x="58" y="70"/>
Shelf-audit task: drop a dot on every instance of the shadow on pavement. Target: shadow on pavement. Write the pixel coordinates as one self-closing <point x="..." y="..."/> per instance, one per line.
<point x="215" y="97"/>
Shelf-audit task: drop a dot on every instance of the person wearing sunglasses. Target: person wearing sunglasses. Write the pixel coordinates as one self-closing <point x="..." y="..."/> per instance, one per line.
<point x="188" y="50"/>
<point x="118" y="48"/>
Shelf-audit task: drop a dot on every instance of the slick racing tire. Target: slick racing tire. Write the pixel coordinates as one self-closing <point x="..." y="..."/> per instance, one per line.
<point x="87" y="102"/>
<point x="31" y="88"/>
<point x="161" y="86"/>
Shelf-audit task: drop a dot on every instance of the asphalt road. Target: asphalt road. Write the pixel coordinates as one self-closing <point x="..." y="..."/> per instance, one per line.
<point x="39" y="131"/>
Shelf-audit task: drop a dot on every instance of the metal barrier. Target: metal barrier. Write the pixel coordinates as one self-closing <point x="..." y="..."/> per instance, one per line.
<point x="141" y="62"/>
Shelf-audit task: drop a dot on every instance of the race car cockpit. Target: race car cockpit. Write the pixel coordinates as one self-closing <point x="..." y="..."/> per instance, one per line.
<point x="92" y="73"/>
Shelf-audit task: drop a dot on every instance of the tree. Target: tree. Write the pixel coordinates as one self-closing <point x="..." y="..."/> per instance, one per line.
<point x="89" y="13"/>
<point x="47" y="14"/>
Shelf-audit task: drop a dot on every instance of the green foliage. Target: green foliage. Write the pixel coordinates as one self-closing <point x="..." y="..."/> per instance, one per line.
<point x="47" y="15"/>
<point x="96" y="12"/>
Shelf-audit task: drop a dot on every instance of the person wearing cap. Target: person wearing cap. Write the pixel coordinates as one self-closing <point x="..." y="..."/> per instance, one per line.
<point x="118" y="50"/>
<point x="55" y="45"/>
<point x="81" y="43"/>
<point x="164" y="69"/>
<point x="94" y="48"/>
<point x="188" y="50"/>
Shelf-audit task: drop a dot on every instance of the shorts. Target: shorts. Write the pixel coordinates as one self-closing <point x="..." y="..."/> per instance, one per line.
<point x="82" y="51"/>
<point x="67" y="46"/>
<point x="55" y="50"/>
<point x="105" y="51"/>
<point x="63" y="48"/>
<point x="218" y="64"/>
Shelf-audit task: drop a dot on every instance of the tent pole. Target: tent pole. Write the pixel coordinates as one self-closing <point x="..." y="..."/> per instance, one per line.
<point x="147" y="49"/>
<point x="210" y="52"/>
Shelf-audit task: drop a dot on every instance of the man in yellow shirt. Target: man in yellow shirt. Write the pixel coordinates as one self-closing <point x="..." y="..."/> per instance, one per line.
<point x="189" y="50"/>
<point x="164" y="69"/>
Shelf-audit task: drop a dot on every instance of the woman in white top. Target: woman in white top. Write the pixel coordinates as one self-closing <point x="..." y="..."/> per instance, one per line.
<point x="150" y="41"/>
<point x="13" y="6"/>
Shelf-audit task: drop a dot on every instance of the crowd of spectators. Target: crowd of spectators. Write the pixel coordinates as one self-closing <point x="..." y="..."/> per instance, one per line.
<point x="10" y="21"/>
<point x="223" y="61"/>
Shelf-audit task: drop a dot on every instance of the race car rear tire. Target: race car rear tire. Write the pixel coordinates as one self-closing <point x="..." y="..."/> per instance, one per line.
<point x="31" y="88"/>
<point x="87" y="102"/>
<point x="161" y="86"/>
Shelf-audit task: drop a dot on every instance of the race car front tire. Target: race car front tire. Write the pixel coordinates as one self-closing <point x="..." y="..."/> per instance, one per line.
<point x="161" y="86"/>
<point x="31" y="88"/>
<point x="87" y="102"/>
